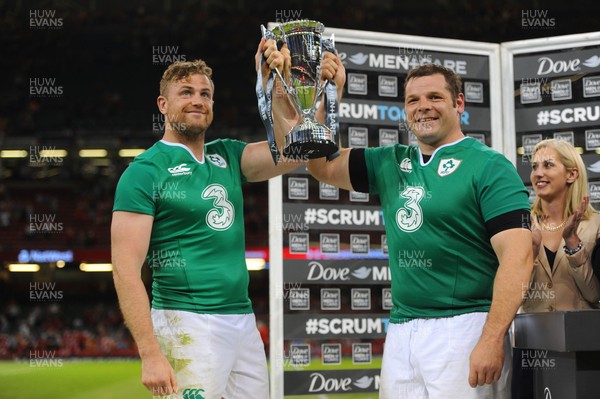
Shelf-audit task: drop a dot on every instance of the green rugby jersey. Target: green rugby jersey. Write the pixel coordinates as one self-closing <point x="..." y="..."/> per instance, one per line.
<point x="197" y="250"/>
<point x="441" y="259"/>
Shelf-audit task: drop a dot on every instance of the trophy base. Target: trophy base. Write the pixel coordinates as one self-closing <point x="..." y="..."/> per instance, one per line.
<point x="309" y="140"/>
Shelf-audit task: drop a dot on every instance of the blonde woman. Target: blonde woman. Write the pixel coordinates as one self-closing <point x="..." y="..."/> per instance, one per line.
<point x="565" y="230"/>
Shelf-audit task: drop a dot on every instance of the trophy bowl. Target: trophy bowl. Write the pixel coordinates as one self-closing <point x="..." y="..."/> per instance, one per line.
<point x="309" y="139"/>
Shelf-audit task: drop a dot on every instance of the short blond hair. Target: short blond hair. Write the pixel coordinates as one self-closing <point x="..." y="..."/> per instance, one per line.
<point x="183" y="69"/>
<point x="571" y="159"/>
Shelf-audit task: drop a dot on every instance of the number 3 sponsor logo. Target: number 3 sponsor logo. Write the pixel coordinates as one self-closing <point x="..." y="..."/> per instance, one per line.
<point x="220" y="217"/>
<point x="410" y="217"/>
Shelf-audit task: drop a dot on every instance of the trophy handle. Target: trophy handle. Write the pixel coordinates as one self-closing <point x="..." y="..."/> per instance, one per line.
<point x="267" y="34"/>
<point x="332" y="106"/>
<point x="327" y="45"/>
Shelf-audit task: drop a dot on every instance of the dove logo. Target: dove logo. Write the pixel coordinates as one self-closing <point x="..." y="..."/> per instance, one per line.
<point x="300" y="355"/>
<point x="328" y="192"/>
<point x="359" y="243"/>
<point x="361" y="348"/>
<point x="331" y="299"/>
<point x="318" y="383"/>
<point x="331" y="354"/>
<point x="330" y="243"/>
<point x="298" y="188"/>
<point x="329" y="349"/>
<point x="361" y="273"/>
<point x="357" y="83"/>
<point x="302" y="293"/>
<point x="359" y="58"/>
<point x="591" y="86"/>
<point x="298" y="243"/>
<point x="299" y="299"/>
<point x="358" y="137"/>
<point x="318" y="272"/>
<point x="592" y="139"/>
<point x="361" y="354"/>
<point x="363" y="382"/>
<point x="595" y="167"/>
<point x="594" y="189"/>
<point x="592" y="62"/>
<point x="361" y="293"/>
<point x="386" y="298"/>
<point x="332" y="293"/>
<point x="361" y="299"/>
<point x="548" y="65"/>
<point x="388" y="137"/>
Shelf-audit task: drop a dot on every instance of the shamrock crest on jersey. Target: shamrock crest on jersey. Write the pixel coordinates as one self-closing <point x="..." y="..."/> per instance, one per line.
<point x="447" y="166"/>
<point x="217" y="160"/>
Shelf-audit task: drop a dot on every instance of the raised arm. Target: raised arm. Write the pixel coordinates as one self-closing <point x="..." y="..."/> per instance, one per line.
<point x="335" y="172"/>
<point x="130" y="238"/>
<point x="514" y="252"/>
<point x="332" y="68"/>
<point x="257" y="162"/>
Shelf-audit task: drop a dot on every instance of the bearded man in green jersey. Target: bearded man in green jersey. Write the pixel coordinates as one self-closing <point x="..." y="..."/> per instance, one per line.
<point x="179" y="205"/>
<point x="462" y="207"/>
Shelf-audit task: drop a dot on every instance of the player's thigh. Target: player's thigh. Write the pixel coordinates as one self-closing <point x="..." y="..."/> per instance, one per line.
<point x="399" y="377"/>
<point x="200" y="351"/>
<point x="445" y="359"/>
<point x="249" y="377"/>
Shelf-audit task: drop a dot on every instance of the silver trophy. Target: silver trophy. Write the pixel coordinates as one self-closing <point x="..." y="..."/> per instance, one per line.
<point x="309" y="139"/>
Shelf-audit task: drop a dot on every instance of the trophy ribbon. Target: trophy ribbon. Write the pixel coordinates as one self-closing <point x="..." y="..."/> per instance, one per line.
<point x="265" y="101"/>
<point x="331" y="102"/>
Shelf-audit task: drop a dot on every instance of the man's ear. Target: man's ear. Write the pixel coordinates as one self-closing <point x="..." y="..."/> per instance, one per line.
<point x="460" y="103"/>
<point x="161" y="102"/>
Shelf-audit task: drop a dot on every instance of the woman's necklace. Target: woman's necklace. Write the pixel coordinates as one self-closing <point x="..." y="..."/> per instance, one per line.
<point x="553" y="228"/>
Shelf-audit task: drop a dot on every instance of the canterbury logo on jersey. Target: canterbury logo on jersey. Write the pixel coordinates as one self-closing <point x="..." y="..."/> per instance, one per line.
<point x="447" y="166"/>
<point x="193" y="393"/>
<point x="180" y="170"/>
<point x="406" y="165"/>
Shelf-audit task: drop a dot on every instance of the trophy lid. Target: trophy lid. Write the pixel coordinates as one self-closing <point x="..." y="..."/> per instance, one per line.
<point x="301" y="25"/>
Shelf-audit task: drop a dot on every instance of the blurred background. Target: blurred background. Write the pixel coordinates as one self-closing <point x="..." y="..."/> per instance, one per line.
<point x="83" y="75"/>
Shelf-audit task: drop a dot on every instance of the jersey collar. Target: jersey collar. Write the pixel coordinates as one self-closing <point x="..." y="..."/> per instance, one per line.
<point x="437" y="149"/>
<point x="185" y="148"/>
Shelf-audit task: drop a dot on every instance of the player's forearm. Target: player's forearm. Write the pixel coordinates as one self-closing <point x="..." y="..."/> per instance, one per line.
<point x="511" y="283"/>
<point x="284" y="114"/>
<point x="334" y="172"/>
<point x="135" y="306"/>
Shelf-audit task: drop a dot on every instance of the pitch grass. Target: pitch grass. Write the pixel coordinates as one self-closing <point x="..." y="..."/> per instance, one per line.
<point x="110" y="379"/>
<point x="72" y="380"/>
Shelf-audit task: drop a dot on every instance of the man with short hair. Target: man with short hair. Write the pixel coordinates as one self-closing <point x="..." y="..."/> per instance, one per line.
<point x="460" y="206"/>
<point x="180" y="205"/>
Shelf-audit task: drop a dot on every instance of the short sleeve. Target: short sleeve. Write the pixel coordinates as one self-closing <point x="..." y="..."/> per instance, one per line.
<point x="233" y="150"/>
<point x="500" y="189"/>
<point x="373" y="158"/>
<point x="134" y="190"/>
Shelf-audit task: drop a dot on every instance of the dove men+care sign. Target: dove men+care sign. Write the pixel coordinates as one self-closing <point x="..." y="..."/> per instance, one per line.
<point x="557" y="95"/>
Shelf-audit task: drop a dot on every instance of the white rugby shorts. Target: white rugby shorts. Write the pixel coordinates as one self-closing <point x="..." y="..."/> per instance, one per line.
<point x="214" y="355"/>
<point x="429" y="359"/>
